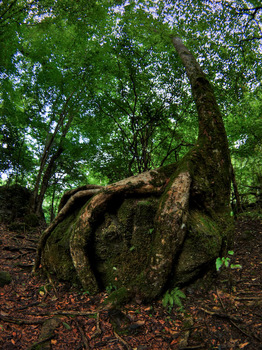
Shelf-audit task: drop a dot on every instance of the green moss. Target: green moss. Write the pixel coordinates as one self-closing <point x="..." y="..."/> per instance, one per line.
<point x="203" y="244"/>
<point x="122" y="241"/>
<point x="5" y="278"/>
<point x="205" y="233"/>
<point x="125" y="212"/>
<point x="32" y="220"/>
<point x="119" y="297"/>
<point x="56" y="256"/>
<point x="158" y="178"/>
<point x="168" y="170"/>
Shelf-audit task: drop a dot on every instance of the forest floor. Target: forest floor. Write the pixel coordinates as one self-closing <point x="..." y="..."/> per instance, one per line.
<point x="36" y="313"/>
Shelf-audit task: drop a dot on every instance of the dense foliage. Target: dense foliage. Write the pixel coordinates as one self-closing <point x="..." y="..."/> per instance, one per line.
<point x="92" y="91"/>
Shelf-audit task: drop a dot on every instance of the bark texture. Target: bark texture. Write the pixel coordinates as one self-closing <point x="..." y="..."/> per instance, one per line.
<point x="153" y="231"/>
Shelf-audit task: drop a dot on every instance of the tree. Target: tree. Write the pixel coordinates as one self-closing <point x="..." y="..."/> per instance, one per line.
<point x="128" y="89"/>
<point x="137" y="117"/>
<point x="140" y="234"/>
<point x="48" y="85"/>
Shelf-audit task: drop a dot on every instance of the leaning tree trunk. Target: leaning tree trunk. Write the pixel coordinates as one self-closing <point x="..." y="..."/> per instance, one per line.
<point x="156" y="230"/>
<point x="47" y="166"/>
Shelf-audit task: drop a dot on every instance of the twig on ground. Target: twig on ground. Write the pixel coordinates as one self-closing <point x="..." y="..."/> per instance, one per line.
<point x="27" y="306"/>
<point x="122" y="340"/>
<point x="193" y="347"/>
<point x="52" y="284"/>
<point x="230" y="318"/>
<point x="98" y="329"/>
<point x="10" y="319"/>
<point x="84" y="338"/>
<point x="248" y="298"/>
<point x="64" y="313"/>
<point x="221" y="315"/>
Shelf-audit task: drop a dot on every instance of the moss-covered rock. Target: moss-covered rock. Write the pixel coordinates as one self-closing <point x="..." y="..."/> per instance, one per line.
<point x="56" y="256"/>
<point x="201" y="247"/>
<point x="5" y="278"/>
<point x="15" y="207"/>
<point x="121" y="242"/>
<point x="118" y="248"/>
<point x="14" y="201"/>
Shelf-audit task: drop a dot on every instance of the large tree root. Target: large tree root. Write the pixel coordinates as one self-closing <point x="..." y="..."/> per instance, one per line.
<point x="171" y="225"/>
<point x="65" y="209"/>
<point x="143" y="184"/>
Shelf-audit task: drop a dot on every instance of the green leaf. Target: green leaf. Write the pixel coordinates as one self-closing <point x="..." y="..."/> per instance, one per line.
<point x="235" y="266"/>
<point x="165" y="299"/>
<point x="171" y="300"/>
<point x="219" y="263"/>
<point x="226" y="261"/>
<point x="177" y="301"/>
<point x="66" y="325"/>
<point x="181" y="294"/>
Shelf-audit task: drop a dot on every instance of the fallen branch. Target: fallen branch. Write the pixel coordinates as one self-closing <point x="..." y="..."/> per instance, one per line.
<point x="248" y="298"/>
<point x="24" y="266"/>
<point x="98" y="329"/>
<point x="230" y="318"/>
<point x="21" y="256"/>
<point x="84" y="338"/>
<point x="35" y="303"/>
<point x="193" y="347"/>
<point x="221" y="315"/>
<point x="65" y="313"/>
<point x="20" y="322"/>
<point x="122" y="340"/>
<point x="52" y="284"/>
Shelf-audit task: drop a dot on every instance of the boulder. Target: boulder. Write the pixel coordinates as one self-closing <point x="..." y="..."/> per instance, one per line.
<point x="15" y="207"/>
<point x="5" y="278"/>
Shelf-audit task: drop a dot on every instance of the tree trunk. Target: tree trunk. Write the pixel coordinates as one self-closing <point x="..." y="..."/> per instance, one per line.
<point x="44" y="175"/>
<point x="156" y="230"/>
<point x="46" y="178"/>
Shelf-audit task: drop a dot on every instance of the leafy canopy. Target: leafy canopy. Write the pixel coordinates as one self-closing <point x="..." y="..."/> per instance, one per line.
<point x="108" y="70"/>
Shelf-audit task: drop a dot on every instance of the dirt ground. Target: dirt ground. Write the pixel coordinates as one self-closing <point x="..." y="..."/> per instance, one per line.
<point x="36" y="313"/>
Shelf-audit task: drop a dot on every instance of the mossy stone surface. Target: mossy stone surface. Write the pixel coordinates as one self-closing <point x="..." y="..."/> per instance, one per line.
<point x="201" y="247"/>
<point x="56" y="256"/>
<point x="5" y="278"/>
<point x="122" y="241"/>
<point x="15" y="206"/>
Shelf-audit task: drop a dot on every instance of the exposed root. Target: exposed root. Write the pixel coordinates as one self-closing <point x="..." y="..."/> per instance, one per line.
<point x="83" y="336"/>
<point x="98" y="329"/>
<point x="97" y="206"/>
<point x="87" y="194"/>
